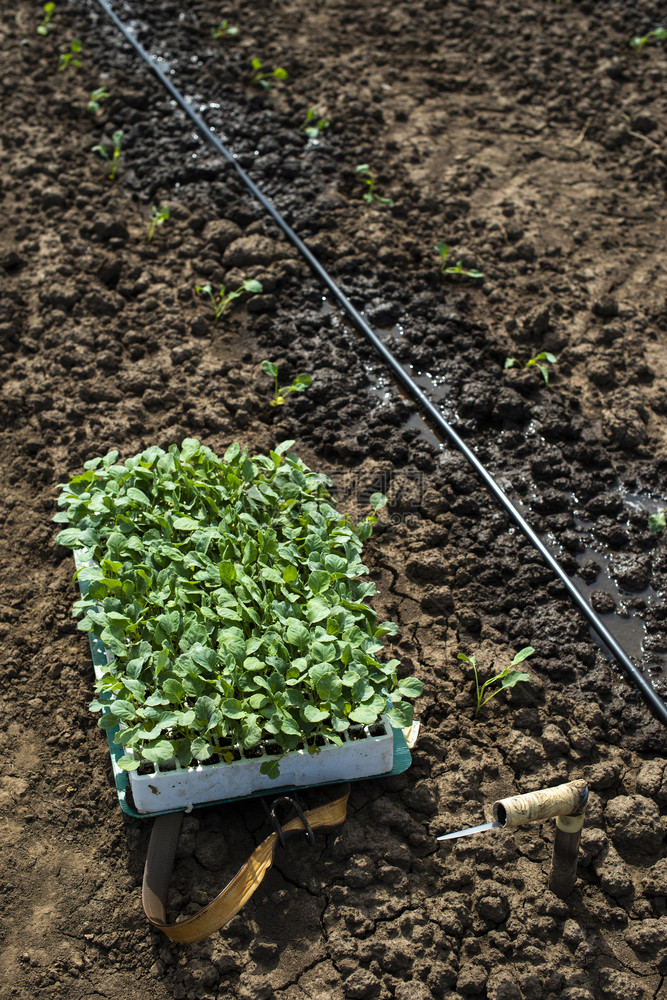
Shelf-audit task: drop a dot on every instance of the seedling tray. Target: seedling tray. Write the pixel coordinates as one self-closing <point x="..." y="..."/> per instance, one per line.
<point x="142" y="795"/>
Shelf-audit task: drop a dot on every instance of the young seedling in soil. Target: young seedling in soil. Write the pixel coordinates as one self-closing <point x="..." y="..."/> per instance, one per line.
<point x="507" y="677"/>
<point x="639" y="41"/>
<point x="111" y="158"/>
<point x="657" y="522"/>
<point x="369" y="180"/>
<point x="231" y="595"/>
<point x="312" y="125"/>
<point x="45" y="27"/>
<point x="223" y="298"/>
<point x="158" y="218"/>
<point x="224" y="28"/>
<point x="68" y="59"/>
<point x="93" y="105"/>
<point x="300" y="383"/>
<point x="540" y="361"/>
<point x="261" y="79"/>
<point x="443" y="252"/>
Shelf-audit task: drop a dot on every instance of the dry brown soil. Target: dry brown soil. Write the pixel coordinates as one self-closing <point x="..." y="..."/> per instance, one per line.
<point x="531" y="139"/>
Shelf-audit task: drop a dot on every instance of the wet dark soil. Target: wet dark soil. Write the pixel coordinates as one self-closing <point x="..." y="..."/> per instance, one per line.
<point x="530" y="138"/>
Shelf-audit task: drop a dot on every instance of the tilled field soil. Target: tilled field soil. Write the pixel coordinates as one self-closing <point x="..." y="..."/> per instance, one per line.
<point x="530" y="138"/>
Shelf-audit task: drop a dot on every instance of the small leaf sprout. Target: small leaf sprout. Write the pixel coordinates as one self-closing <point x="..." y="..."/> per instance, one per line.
<point x="224" y="298"/>
<point x="96" y="96"/>
<point x="443" y="252"/>
<point x="112" y="158"/>
<point x="657" y="522"/>
<point x="312" y="124"/>
<point x="300" y="383"/>
<point x="540" y="361"/>
<point x="507" y="677"/>
<point x="224" y="28"/>
<point x="68" y="59"/>
<point x="158" y="218"/>
<point x="369" y="180"/>
<point x="639" y="41"/>
<point x="45" y="27"/>
<point x="265" y="79"/>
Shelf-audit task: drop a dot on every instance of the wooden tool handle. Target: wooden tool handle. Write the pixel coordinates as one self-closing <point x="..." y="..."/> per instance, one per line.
<point x="562" y="800"/>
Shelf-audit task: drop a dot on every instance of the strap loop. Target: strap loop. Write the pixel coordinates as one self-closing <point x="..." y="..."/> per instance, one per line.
<point x="217" y="913"/>
<point x="292" y="802"/>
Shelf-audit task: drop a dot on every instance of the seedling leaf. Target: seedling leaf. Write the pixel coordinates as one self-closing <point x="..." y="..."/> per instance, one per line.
<point x="128" y="763"/>
<point x="271" y="768"/>
<point x="522" y="655"/>
<point x="513" y="677"/>
<point x="656" y="522"/>
<point x="411" y="687"/>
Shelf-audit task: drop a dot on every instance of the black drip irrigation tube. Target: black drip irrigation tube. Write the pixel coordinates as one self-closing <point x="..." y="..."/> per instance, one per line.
<point x="633" y="673"/>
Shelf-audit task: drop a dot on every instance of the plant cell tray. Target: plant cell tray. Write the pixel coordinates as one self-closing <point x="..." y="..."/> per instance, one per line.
<point x="142" y="795"/>
<point x="180" y="788"/>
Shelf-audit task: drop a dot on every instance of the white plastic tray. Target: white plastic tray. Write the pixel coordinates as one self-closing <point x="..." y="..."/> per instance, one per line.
<point x="184" y="787"/>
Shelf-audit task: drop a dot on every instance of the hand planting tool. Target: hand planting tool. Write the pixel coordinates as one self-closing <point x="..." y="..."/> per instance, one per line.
<point x="566" y="803"/>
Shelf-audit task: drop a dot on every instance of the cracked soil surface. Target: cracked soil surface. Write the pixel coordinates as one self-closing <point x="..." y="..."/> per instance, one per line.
<point x="530" y="138"/>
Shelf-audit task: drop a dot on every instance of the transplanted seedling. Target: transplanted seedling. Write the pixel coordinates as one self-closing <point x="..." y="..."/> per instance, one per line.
<point x="93" y="105"/>
<point x="369" y="180"/>
<point x="68" y="59"/>
<point x="312" y="124"/>
<point x="224" y="28"/>
<point x="443" y="251"/>
<point x="224" y="298"/>
<point x="540" y="361"/>
<point x="657" y="522"/>
<point x="300" y="383"/>
<point x="112" y="157"/>
<point x="639" y="41"/>
<point x="263" y="79"/>
<point x="45" y="27"/>
<point x="507" y="677"/>
<point x="158" y="218"/>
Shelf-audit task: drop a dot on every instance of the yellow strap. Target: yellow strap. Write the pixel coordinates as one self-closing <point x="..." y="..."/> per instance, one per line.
<point x="160" y="860"/>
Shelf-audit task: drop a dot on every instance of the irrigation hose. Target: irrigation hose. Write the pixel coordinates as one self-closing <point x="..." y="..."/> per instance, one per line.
<point x="437" y="420"/>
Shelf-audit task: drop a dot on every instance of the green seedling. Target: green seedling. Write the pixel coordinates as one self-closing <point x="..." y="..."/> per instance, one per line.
<point x="657" y="522"/>
<point x="300" y="383"/>
<point x="369" y="180"/>
<point x="224" y="298"/>
<point x="639" y="41"/>
<point x="265" y="79"/>
<point x="443" y="252"/>
<point x="158" y="218"/>
<point x="231" y="597"/>
<point x="507" y="677"/>
<point x="112" y="158"/>
<point x="45" y="27"/>
<point x="224" y="28"/>
<point x="101" y="94"/>
<point x="68" y="59"/>
<point x="312" y="125"/>
<point x="540" y="361"/>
